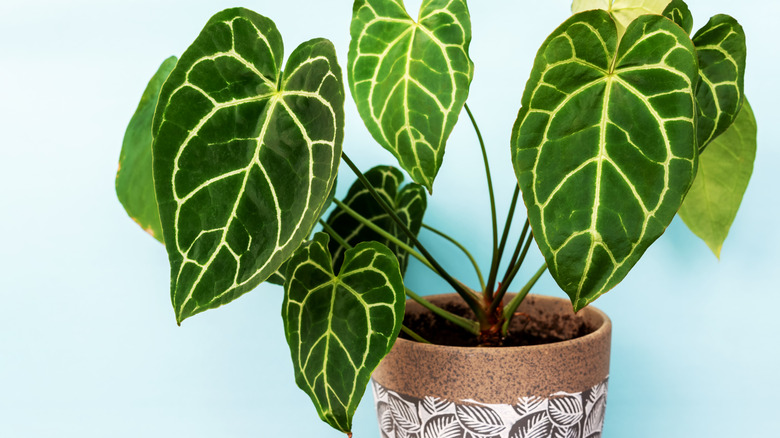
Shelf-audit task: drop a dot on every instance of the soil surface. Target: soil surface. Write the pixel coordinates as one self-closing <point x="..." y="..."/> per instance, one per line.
<point x="526" y="329"/>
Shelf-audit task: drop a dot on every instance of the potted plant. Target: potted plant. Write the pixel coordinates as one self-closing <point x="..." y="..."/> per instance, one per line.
<point x="232" y="156"/>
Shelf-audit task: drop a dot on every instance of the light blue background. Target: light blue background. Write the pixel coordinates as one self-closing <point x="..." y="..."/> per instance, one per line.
<point x="88" y="342"/>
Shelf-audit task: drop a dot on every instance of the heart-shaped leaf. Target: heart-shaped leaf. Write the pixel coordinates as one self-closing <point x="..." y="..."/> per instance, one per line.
<point x="604" y="145"/>
<point x="678" y="12"/>
<point x="725" y="168"/>
<point x="244" y="156"/>
<point x="410" y="79"/>
<point x="623" y="11"/>
<point x="134" y="181"/>
<point x="409" y="204"/>
<point x="340" y="326"/>
<point x="720" y="46"/>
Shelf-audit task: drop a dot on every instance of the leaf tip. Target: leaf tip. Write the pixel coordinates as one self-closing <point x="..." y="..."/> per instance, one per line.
<point x="716" y="251"/>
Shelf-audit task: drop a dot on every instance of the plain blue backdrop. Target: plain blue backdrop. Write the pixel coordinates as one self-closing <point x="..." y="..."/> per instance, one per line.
<point x="88" y="342"/>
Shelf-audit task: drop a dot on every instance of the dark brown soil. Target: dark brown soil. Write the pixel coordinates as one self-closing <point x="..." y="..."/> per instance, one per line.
<point x="525" y="329"/>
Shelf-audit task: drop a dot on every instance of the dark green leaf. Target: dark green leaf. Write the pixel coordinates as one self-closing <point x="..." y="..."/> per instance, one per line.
<point x="720" y="46"/>
<point x="134" y="181"/>
<point x="678" y="12"/>
<point x="339" y="327"/>
<point x="410" y="79"/>
<point x="604" y="145"/>
<point x="280" y="276"/>
<point x="725" y="168"/>
<point x="244" y="156"/>
<point x="409" y="204"/>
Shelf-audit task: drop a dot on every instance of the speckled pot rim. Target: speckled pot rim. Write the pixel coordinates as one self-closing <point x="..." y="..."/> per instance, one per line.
<point x="501" y="375"/>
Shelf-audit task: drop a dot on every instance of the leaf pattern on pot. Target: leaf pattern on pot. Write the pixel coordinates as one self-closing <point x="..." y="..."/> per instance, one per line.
<point x="566" y="432"/>
<point x="565" y="410"/>
<point x="443" y="426"/>
<point x="594" y="420"/>
<point x="379" y="390"/>
<point x="435" y="405"/>
<point x="385" y="417"/>
<point x="527" y="405"/>
<point x="532" y="426"/>
<point x="597" y="392"/>
<point x="404" y="414"/>
<point x="560" y="415"/>
<point x="480" y="420"/>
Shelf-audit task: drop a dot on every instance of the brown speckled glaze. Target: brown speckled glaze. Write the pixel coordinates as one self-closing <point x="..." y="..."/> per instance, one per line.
<point x="501" y="375"/>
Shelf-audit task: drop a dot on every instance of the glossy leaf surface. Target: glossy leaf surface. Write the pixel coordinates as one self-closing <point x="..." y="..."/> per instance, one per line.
<point x="409" y="203"/>
<point x="725" y="168"/>
<point x="280" y="276"/>
<point x="623" y="11"/>
<point x="134" y="180"/>
<point x="720" y="46"/>
<point x="410" y="79"/>
<point x="604" y="145"/>
<point x="679" y="12"/>
<point x="339" y="327"/>
<point x="244" y="156"/>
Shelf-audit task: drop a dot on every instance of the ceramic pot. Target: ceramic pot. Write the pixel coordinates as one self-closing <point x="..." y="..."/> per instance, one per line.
<point x="551" y="390"/>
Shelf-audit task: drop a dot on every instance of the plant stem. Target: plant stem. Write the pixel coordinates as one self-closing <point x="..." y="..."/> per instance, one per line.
<point x="510" y="275"/>
<point x="464" y="323"/>
<point x="463" y="249"/>
<point x="496" y="257"/>
<point x="511" y="307"/>
<point x="505" y="235"/>
<point x="414" y="335"/>
<point x="519" y="246"/>
<point x="461" y="289"/>
<point x="376" y="228"/>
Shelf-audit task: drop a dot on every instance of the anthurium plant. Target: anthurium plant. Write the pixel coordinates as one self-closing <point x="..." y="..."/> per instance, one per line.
<point x="232" y="156"/>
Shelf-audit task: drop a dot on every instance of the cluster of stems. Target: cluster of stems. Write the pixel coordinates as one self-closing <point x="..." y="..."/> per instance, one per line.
<point x="492" y="314"/>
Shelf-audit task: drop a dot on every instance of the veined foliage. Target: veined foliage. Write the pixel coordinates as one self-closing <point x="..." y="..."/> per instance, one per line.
<point x="410" y="79"/>
<point x="244" y="156"/>
<point x="340" y="326"/>
<point x="604" y="145"/>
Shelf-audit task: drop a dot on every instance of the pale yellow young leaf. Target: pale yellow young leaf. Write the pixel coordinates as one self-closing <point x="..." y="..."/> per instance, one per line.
<point x="623" y="11"/>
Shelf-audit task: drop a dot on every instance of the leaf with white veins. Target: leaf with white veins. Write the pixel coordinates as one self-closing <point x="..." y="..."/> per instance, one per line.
<point x="339" y="327"/>
<point x="280" y="275"/>
<point x="604" y="145"/>
<point x="410" y="79"/>
<point x="244" y="156"/>
<point x="720" y="46"/>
